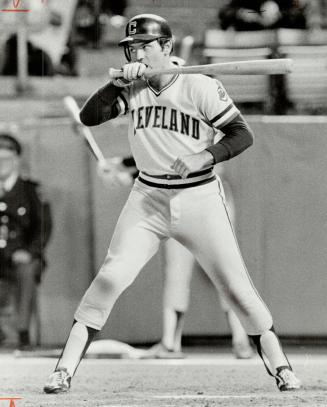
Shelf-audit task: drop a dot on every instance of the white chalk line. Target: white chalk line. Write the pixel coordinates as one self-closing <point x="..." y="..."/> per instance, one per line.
<point x="208" y="396"/>
<point x="193" y="397"/>
<point x="212" y="360"/>
<point x="190" y="360"/>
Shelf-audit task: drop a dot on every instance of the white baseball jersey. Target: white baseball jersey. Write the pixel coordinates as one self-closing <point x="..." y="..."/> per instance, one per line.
<point x="179" y="119"/>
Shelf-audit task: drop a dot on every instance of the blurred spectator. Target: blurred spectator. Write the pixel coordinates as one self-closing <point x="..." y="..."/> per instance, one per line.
<point x="92" y="17"/>
<point x="39" y="63"/>
<point x="114" y="7"/>
<point x="248" y="15"/>
<point x="43" y="19"/>
<point x="115" y="10"/>
<point x="25" y="227"/>
<point x="88" y="26"/>
<point x="252" y="15"/>
<point x="315" y="11"/>
<point x="293" y="14"/>
<point x="69" y="60"/>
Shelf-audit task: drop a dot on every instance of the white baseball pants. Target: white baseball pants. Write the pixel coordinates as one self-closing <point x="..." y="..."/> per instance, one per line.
<point x="197" y="218"/>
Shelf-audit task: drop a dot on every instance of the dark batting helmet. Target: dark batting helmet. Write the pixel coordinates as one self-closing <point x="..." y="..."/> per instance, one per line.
<point x="146" y="27"/>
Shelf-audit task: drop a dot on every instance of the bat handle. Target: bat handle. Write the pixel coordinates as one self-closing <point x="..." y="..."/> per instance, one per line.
<point x="115" y="73"/>
<point x="118" y="73"/>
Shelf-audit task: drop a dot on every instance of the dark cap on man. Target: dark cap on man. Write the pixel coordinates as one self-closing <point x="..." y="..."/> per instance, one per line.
<point x="8" y="142"/>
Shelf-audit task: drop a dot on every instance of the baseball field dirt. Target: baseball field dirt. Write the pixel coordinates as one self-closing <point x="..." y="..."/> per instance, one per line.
<point x="201" y="380"/>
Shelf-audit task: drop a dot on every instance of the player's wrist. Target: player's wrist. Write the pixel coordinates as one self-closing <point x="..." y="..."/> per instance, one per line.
<point x="121" y="82"/>
<point x="208" y="158"/>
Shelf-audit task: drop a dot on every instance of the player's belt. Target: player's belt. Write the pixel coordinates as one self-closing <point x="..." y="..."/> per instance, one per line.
<point x="171" y="181"/>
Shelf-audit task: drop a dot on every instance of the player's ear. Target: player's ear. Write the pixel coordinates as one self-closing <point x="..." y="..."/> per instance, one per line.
<point x="167" y="46"/>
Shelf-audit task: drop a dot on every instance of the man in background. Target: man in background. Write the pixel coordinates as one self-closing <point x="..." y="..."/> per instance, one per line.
<point x="253" y="15"/>
<point x="25" y="227"/>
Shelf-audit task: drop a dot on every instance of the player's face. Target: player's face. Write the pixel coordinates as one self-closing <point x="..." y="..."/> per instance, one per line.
<point x="149" y="53"/>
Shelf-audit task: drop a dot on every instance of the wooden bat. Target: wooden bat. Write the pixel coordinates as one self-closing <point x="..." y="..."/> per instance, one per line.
<point x="74" y="110"/>
<point x="119" y="176"/>
<point x="255" y="67"/>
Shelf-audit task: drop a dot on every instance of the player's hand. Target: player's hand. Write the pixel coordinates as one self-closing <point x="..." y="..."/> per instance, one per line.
<point x="187" y="164"/>
<point x="134" y="70"/>
<point x="21" y="257"/>
<point x="113" y="172"/>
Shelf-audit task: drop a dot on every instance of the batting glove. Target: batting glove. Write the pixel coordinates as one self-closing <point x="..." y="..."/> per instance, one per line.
<point x="134" y="70"/>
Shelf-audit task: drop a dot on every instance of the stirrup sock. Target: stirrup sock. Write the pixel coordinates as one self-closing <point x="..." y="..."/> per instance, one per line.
<point x="90" y="332"/>
<point x="256" y="340"/>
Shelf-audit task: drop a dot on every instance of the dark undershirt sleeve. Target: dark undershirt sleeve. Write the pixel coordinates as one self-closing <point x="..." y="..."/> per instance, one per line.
<point x="102" y="105"/>
<point x="237" y="137"/>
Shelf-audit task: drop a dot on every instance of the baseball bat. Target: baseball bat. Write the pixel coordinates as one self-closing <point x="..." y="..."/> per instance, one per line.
<point x="254" y="67"/>
<point x="74" y="110"/>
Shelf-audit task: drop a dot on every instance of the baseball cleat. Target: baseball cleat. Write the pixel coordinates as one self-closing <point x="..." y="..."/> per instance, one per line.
<point x="58" y="382"/>
<point x="286" y="379"/>
<point x="160" y="351"/>
<point x="242" y="350"/>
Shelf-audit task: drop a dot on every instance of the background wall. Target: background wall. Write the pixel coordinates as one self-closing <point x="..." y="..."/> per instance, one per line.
<point x="280" y="195"/>
<point x="280" y="192"/>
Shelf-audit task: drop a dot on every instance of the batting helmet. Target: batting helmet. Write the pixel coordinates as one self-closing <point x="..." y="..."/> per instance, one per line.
<point x="146" y="27"/>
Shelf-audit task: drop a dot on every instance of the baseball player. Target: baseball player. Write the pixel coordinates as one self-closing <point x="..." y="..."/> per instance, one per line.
<point x="173" y="120"/>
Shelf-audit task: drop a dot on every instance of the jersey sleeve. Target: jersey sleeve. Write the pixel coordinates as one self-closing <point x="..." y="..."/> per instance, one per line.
<point x="214" y="103"/>
<point x="105" y="104"/>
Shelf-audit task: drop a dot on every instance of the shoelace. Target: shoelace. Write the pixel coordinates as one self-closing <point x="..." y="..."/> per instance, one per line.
<point x="59" y="376"/>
